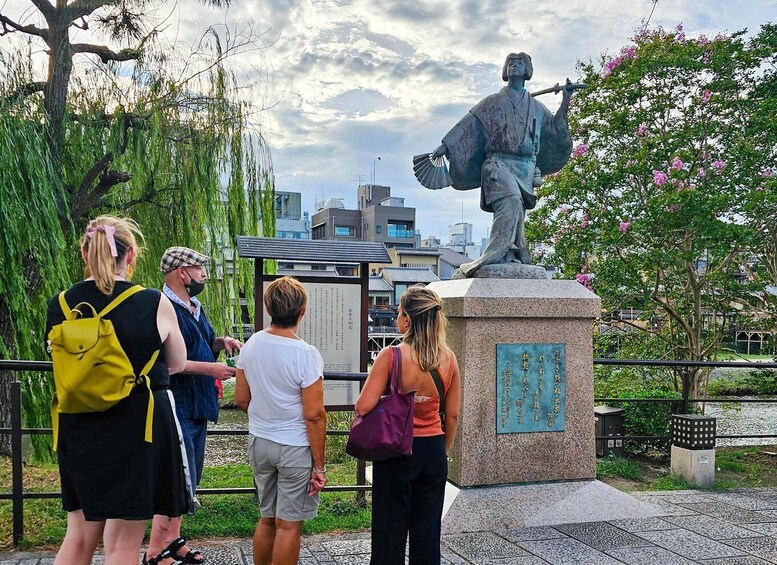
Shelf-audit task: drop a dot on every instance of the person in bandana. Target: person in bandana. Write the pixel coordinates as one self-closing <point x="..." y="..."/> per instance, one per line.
<point x="197" y="389"/>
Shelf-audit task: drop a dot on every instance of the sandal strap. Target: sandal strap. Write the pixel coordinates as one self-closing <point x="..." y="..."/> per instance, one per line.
<point x="170" y="551"/>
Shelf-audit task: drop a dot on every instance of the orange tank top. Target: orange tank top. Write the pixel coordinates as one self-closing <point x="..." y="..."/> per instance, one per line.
<point x="426" y="410"/>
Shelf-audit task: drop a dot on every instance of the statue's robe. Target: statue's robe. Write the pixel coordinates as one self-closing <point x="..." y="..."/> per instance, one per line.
<point x="513" y="125"/>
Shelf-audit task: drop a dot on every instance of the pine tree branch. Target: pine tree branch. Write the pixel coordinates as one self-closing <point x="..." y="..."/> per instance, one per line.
<point x="10" y="26"/>
<point x="82" y="8"/>
<point x="45" y="7"/>
<point x="105" y="53"/>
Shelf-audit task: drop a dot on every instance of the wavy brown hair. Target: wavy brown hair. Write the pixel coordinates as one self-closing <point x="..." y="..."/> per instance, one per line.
<point x="426" y="333"/>
<point x="100" y="262"/>
<point x="284" y="299"/>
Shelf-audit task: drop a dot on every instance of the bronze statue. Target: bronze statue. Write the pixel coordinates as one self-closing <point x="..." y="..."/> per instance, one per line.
<point x="503" y="146"/>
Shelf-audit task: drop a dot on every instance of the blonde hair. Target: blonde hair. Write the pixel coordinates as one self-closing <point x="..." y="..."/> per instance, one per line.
<point x="426" y="333"/>
<point x="284" y="299"/>
<point x="100" y="261"/>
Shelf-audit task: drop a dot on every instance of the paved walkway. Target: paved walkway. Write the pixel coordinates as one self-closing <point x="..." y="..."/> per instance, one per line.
<point x="695" y="527"/>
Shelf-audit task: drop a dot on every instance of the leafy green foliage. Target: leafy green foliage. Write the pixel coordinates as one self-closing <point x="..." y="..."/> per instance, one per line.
<point x="641" y="418"/>
<point x="177" y="129"/>
<point x="744" y="383"/>
<point x="654" y="209"/>
<point x="618" y="467"/>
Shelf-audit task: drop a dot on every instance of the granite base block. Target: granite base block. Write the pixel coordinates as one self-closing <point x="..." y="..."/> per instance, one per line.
<point x="696" y="466"/>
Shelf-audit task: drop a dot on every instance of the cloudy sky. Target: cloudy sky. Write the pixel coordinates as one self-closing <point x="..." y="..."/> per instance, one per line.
<point x="354" y="80"/>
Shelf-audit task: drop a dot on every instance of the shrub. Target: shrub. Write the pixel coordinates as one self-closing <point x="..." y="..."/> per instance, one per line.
<point x="641" y="418"/>
<point x="745" y="383"/>
<point x="618" y="467"/>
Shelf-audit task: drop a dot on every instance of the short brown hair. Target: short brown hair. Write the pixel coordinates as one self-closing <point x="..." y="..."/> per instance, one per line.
<point x="284" y="299"/>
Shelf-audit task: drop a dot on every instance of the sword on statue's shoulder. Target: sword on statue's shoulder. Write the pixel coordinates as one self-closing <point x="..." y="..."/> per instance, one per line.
<point x="559" y="87"/>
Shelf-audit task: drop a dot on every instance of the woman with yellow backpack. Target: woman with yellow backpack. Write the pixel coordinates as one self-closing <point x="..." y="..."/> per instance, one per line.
<point x="114" y="345"/>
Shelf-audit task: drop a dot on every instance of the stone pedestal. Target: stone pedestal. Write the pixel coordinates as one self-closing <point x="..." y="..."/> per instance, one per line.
<point x="485" y="312"/>
<point x="696" y="466"/>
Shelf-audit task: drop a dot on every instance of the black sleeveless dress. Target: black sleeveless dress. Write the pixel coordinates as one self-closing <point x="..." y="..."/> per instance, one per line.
<point x="105" y="466"/>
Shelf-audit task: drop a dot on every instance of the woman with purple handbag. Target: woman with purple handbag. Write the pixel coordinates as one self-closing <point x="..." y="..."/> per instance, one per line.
<point x="408" y="490"/>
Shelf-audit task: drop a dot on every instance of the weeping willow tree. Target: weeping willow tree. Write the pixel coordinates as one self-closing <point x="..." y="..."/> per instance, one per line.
<point x="167" y="137"/>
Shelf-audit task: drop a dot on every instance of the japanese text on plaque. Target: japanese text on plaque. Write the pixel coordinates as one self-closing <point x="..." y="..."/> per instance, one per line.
<point x="530" y="387"/>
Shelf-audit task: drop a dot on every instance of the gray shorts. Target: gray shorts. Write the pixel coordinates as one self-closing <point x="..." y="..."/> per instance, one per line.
<point x="282" y="479"/>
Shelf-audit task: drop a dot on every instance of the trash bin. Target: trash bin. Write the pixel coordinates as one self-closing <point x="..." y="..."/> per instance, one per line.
<point x="609" y="422"/>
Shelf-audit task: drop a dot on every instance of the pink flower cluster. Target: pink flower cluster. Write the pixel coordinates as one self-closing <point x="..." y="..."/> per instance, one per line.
<point x="767" y="172"/>
<point x="659" y="177"/>
<point x="719" y="165"/>
<point x="705" y="96"/>
<point x="626" y="53"/>
<point x="624" y="226"/>
<point x="677" y="164"/>
<point x="584" y="279"/>
<point x="672" y="208"/>
<point x="580" y="150"/>
<point x="680" y="33"/>
<point x="642" y="130"/>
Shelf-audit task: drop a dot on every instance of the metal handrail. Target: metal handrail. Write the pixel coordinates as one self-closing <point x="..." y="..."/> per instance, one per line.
<point x="17" y="431"/>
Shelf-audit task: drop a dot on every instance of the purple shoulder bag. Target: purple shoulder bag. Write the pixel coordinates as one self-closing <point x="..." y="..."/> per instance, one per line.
<point x="387" y="431"/>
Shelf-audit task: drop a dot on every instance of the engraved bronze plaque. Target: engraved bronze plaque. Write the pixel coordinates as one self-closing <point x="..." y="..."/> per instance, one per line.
<point x="530" y="387"/>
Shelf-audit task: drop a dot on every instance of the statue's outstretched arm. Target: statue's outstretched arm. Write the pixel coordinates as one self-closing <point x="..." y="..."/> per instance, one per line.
<point x="441" y="150"/>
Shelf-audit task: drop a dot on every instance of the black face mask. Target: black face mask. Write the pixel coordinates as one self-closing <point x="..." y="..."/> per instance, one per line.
<point x="193" y="288"/>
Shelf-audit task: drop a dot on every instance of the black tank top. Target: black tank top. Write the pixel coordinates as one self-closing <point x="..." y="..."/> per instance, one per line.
<point x="134" y="321"/>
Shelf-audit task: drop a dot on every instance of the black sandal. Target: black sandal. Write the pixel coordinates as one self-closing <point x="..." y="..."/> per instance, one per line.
<point x="169" y="552"/>
<point x="190" y="557"/>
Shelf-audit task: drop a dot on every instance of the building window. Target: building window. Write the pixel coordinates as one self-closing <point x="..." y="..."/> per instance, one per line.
<point x="318" y="267"/>
<point x="400" y="230"/>
<point x="378" y="229"/>
<point x="345" y="231"/>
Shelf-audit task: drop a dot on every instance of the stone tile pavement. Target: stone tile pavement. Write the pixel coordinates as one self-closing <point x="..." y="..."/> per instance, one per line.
<point x="694" y="527"/>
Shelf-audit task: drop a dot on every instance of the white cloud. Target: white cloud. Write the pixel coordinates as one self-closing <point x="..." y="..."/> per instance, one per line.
<point x="351" y="80"/>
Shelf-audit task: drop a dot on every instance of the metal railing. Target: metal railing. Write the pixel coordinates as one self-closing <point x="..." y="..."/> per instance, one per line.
<point x="16" y="431"/>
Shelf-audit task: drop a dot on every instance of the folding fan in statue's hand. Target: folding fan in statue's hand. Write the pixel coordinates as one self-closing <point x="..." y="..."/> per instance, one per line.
<point x="432" y="173"/>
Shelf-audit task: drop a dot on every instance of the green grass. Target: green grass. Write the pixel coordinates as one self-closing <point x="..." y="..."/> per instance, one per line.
<point x="672" y="482"/>
<point x="233" y="515"/>
<point x="616" y="467"/>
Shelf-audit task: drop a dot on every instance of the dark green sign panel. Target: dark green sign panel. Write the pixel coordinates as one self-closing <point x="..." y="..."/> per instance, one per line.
<point x="531" y="383"/>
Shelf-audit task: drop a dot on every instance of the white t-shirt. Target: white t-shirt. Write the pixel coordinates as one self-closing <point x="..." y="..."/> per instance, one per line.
<point x="277" y="369"/>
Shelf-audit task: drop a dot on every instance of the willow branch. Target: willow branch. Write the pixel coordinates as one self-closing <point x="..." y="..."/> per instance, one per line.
<point x="10" y="26"/>
<point x="105" y="53"/>
<point x="25" y="90"/>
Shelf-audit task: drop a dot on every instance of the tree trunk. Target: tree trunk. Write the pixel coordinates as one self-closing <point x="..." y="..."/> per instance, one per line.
<point x="55" y="93"/>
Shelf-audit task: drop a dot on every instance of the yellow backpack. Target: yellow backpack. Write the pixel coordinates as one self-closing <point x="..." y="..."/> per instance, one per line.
<point x="91" y="369"/>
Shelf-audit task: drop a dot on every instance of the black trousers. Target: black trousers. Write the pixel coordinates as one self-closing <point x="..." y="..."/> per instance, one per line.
<point x="407" y="497"/>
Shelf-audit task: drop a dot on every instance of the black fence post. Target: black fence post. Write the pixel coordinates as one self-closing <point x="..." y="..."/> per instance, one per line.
<point x="17" y="488"/>
<point x="686" y="376"/>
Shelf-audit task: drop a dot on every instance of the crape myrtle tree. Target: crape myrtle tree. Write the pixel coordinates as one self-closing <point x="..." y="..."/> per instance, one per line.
<point x="653" y="209"/>
<point x="758" y="150"/>
<point x="162" y="133"/>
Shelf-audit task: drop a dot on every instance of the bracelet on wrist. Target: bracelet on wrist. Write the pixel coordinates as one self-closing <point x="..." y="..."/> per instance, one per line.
<point x="319" y="471"/>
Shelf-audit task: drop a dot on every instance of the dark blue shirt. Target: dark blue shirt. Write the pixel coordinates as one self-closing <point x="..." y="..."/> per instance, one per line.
<point x="196" y="396"/>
